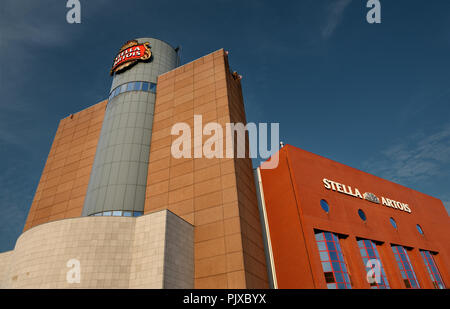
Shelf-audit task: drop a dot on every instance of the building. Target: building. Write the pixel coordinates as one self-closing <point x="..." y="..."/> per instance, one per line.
<point x="114" y="203"/>
<point x="327" y="220"/>
<point x="114" y="208"/>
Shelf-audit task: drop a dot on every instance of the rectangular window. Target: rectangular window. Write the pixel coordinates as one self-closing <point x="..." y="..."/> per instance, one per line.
<point x="144" y="86"/>
<point x="107" y="213"/>
<point x="130" y="86"/>
<point x="406" y="269"/>
<point x="117" y="213"/>
<point x="138" y="86"/>
<point x="152" y="87"/>
<point x="369" y="251"/>
<point x="333" y="264"/>
<point x="432" y="269"/>
<point x="137" y="213"/>
<point x="127" y="213"/>
<point x="123" y="88"/>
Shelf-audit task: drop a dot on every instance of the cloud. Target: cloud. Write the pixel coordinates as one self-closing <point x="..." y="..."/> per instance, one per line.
<point x="420" y="157"/>
<point x="415" y="160"/>
<point x="335" y="13"/>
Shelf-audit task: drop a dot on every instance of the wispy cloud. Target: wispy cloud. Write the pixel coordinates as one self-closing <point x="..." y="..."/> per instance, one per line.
<point x="416" y="159"/>
<point x="335" y="12"/>
<point x="419" y="156"/>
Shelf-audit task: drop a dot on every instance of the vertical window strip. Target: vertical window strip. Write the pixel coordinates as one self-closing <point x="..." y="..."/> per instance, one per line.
<point x="432" y="269"/>
<point x="406" y="269"/>
<point x="333" y="264"/>
<point x="365" y="244"/>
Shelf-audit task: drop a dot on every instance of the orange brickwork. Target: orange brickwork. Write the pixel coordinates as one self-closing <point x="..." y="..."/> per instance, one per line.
<point x="63" y="184"/>
<point x="216" y="195"/>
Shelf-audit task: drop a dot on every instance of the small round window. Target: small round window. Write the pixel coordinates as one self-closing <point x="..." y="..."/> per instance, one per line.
<point x="419" y="228"/>
<point x="362" y="215"/>
<point x="324" y="206"/>
<point x="394" y="224"/>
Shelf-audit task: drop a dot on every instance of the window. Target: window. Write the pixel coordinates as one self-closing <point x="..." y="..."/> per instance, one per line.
<point x="432" y="269"/>
<point x="406" y="269"/>
<point x="369" y="251"/>
<point x="130" y="86"/>
<point x="145" y="86"/>
<point x="362" y="215"/>
<point x="152" y="87"/>
<point x="419" y="229"/>
<point x="324" y="206"/>
<point x="119" y="213"/>
<point x="333" y="264"/>
<point x="133" y="86"/>
<point x="394" y="224"/>
<point x="138" y="86"/>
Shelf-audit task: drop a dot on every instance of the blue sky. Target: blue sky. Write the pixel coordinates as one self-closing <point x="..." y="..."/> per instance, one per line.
<point x="374" y="97"/>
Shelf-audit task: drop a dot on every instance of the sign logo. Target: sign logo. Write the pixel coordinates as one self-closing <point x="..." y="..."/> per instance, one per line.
<point x="130" y="53"/>
<point x="371" y="198"/>
<point x="368" y="196"/>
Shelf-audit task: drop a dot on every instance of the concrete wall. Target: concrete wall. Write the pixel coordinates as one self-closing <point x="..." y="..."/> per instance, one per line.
<point x="114" y="252"/>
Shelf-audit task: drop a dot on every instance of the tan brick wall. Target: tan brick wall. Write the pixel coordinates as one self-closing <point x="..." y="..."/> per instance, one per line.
<point x="217" y="196"/>
<point x="63" y="184"/>
<point x="151" y="251"/>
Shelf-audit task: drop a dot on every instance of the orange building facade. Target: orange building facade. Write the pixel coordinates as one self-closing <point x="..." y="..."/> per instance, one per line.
<point x="308" y="197"/>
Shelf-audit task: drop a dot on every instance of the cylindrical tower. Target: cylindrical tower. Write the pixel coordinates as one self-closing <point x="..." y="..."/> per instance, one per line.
<point x="119" y="173"/>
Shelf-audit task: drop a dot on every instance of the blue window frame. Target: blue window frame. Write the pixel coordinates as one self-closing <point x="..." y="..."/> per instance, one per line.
<point x="362" y="215"/>
<point x="432" y="269"/>
<point x="152" y="87"/>
<point x="405" y="266"/>
<point x="419" y="228"/>
<point x="145" y="86"/>
<point x="324" y="206"/>
<point x="133" y="86"/>
<point x="332" y="259"/>
<point x="137" y="213"/>
<point x="130" y="86"/>
<point x="394" y="224"/>
<point x="368" y="250"/>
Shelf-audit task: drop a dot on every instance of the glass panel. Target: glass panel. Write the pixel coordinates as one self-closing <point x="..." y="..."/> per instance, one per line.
<point x="138" y="86"/>
<point x="324" y="205"/>
<point x="336" y="266"/>
<point x="326" y="266"/>
<point x="324" y="256"/>
<point x="145" y="86"/>
<point x="137" y="213"/>
<point x="331" y="246"/>
<point x="153" y="87"/>
<point x="117" y="213"/>
<point x="123" y="88"/>
<point x="106" y="213"/>
<point x="127" y="213"/>
<point x="319" y="237"/>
